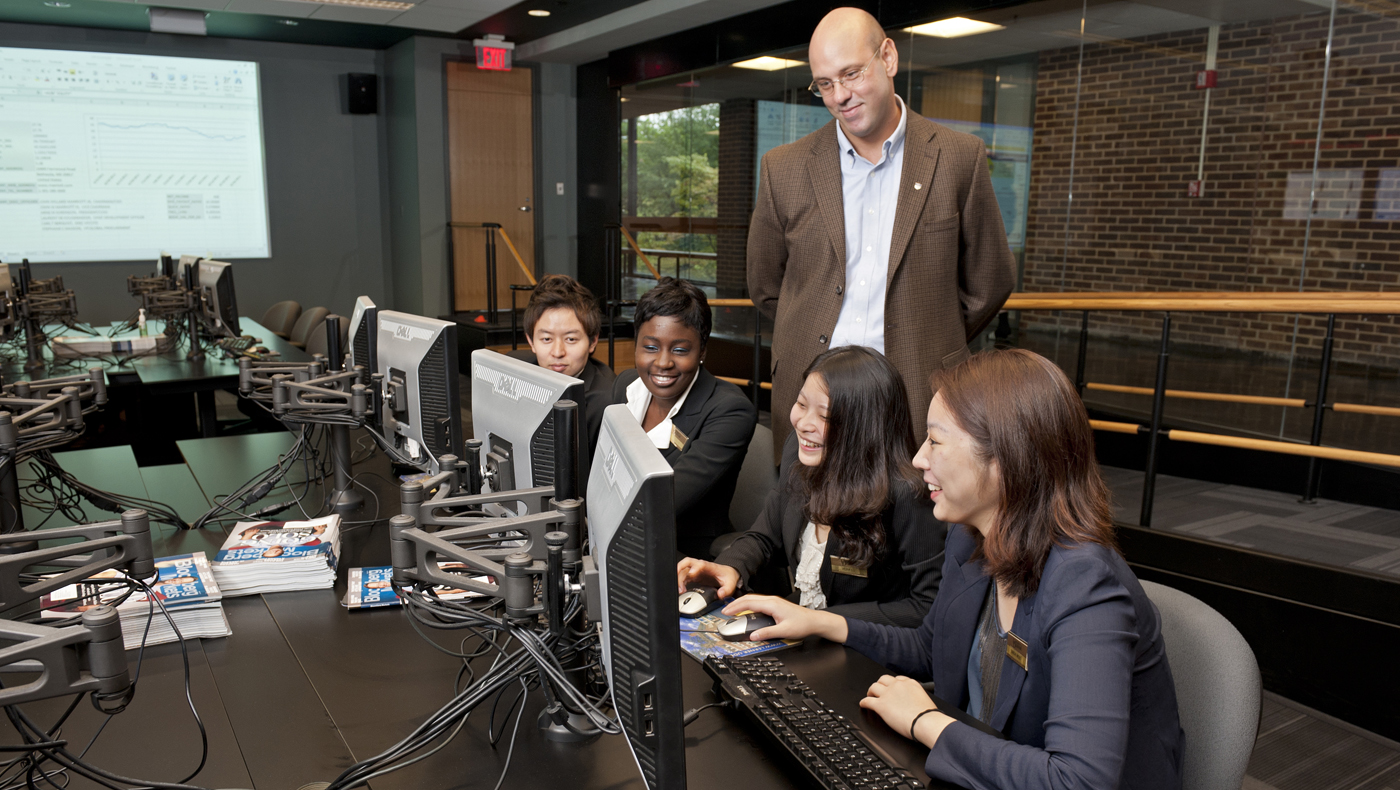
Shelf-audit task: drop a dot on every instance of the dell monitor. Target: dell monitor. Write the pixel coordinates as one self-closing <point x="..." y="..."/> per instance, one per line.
<point x="632" y="535"/>
<point x="220" y="306"/>
<point x="364" y="334"/>
<point x="416" y="358"/>
<point x="513" y="416"/>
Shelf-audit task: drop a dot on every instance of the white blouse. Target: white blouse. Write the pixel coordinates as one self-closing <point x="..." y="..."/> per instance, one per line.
<point x="809" y="570"/>
<point x="639" y="398"/>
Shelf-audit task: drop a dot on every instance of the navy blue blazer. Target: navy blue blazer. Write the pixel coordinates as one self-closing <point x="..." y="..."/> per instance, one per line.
<point x="1095" y="708"/>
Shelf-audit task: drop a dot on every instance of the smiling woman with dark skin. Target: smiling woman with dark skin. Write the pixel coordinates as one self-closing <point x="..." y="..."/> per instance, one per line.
<point x="701" y="425"/>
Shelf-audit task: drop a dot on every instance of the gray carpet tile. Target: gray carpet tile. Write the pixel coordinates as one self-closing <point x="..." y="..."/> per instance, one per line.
<point x="1299" y="751"/>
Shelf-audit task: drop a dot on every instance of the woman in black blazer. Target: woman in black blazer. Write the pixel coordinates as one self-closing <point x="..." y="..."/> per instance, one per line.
<point x="1040" y="629"/>
<point x="701" y="425"/>
<point x="847" y="518"/>
<point x="562" y="322"/>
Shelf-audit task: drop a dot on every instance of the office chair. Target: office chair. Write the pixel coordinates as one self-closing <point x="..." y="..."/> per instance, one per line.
<point x="316" y="340"/>
<point x="281" y="318"/>
<point x="757" y="477"/>
<point x="1217" y="689"/>
<point x="310" y="319"/>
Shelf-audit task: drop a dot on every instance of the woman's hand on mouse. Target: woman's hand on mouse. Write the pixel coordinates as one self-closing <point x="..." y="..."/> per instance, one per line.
<point x="899" y="701"/>
<point x="794" y="622"/>
<point x="691" y="570"/>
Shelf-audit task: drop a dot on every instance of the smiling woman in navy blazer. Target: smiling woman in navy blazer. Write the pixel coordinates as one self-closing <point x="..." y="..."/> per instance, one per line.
<point x="1040" y="629"/>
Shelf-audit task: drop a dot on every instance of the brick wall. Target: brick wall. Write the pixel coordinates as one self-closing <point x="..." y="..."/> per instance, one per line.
<point x="1132" y="225"/>
<point x="736" y="190"/>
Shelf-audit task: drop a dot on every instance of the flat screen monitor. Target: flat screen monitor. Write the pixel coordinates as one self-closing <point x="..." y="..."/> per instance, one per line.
<point x="422" y="411"/>
<point x="513" y="416"/>
<point x="632" y="534"/>
<point x="364" y="334"/>
<point x="220" y="305"/>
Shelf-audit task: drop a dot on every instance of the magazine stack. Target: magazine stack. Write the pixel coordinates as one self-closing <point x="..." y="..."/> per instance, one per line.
<point x="278" y="556"/>
<point x="184" y="584"/>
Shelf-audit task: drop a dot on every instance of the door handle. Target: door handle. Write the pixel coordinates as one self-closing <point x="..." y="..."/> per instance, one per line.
<point x="524" y="208"/>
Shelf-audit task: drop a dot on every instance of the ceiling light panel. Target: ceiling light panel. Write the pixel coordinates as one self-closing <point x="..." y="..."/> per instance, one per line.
<point x="767" y="63"/>
<point x="955" y="27"/>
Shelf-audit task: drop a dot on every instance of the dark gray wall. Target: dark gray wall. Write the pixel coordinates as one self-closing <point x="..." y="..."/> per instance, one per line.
<point x="326" y="173"/>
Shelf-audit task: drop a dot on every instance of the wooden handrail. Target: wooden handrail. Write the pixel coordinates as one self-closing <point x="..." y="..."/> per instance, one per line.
<point x="1261" y="304"/>
<point x="633" y="244"/>
<point x="1114" y="427"/>
<point x="1287" y="448"/>
<point x="528" y="275"/>
<point x="1262" y="400"/>
<point x="731" y="302"/>
<point x="1361" y="408"/>
<point x="1345" y="296"/>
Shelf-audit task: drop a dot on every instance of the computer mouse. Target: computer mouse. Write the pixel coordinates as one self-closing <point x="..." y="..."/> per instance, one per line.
<point x="738" y="629"/>
<point x="698" y="600"/>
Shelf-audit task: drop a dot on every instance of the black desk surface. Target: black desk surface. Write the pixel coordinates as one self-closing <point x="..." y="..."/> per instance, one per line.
<point x="303" y="688"/>
<point x="168" y="371"/>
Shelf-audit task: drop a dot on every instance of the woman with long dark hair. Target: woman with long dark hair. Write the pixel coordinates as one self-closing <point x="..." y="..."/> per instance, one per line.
<point x="1040" y="630"/>
<point x="846" y="518"/>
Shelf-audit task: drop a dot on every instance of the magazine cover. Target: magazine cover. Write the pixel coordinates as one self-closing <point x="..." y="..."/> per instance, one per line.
<point x="181" y="580"/>
<point x="372" y="587"/>
<point x="699" y="639"/>
<point x="274" y="542"/>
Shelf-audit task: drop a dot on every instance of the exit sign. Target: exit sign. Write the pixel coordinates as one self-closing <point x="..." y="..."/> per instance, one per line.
<point x="493" y="53"/>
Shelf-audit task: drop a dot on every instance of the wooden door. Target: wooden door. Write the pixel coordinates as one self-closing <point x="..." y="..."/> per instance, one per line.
<point x="491" y="163"/>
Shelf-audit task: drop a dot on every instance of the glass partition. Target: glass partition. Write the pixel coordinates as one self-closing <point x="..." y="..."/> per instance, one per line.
<point x="1146" y="146"/>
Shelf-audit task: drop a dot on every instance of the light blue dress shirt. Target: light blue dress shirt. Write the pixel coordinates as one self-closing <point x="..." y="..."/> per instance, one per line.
<point x="869" y="195"/>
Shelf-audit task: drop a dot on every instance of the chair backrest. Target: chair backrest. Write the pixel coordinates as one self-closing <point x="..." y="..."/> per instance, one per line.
<point x="757" y="477"/>
<point x="1217" y="689"/>
<point x="281" y="318"/>
<point x="309" y="319"/>
<point x="316" y="340"/>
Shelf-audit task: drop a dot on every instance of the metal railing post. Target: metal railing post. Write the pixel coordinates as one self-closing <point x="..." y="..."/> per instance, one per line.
<point x="490" y="269"/>
<point x="610" y="263"/>
<point x="1149" y="482"/>
<point x="1083" y="353"/>
<point x="1314" y="480"/>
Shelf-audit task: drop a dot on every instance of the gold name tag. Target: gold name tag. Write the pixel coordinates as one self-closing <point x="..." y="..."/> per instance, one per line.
<point x="1016" y="649"/>
<point x="844" y="568"/>
<point x="678" y="439"/>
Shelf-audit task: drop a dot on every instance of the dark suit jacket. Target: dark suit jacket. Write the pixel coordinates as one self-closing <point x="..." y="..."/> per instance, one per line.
<point x="718" y="422"/>
<point x="950" y="269"/>
<point x="597" y="395"/>
<point x="1095" y="709"/>
<point x="901" y="584"/>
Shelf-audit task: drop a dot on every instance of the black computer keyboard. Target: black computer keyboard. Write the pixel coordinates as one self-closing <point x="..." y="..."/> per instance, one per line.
<point x="237" y="345"/>
<point x="834" y="754"/>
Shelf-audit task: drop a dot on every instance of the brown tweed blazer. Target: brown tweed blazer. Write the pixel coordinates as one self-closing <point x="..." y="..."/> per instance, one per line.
<point x="950" y="269"/>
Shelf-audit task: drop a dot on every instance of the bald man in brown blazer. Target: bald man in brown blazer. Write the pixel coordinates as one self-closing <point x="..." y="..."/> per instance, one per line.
<point x="948" y="270"/>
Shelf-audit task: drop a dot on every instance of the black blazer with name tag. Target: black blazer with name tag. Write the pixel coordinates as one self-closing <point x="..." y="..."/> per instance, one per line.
<point x="899" y="587"/>
<point x="718" y="421"/>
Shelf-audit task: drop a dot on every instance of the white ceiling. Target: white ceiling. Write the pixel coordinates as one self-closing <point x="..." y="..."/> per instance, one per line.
<point x="445" y="16"/>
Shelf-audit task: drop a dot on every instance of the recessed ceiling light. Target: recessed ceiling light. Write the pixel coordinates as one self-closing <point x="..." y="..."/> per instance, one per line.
<point x="766" y="63"/>
<point x="57" y="4"/>
<point x="537" y="12"/>
<point x="954" y="28"/>
<point x="288" y="22"/>
<point x="386" y="5"/>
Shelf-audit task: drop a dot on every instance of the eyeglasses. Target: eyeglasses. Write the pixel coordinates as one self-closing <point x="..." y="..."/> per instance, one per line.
<point x="850" y="80"/>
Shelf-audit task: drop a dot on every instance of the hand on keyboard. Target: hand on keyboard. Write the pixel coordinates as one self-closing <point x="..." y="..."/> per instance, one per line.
<point x="898" y="700"/>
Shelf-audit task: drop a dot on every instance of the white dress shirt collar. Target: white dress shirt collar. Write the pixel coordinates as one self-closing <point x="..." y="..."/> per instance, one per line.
<point x="639" y="398"/>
